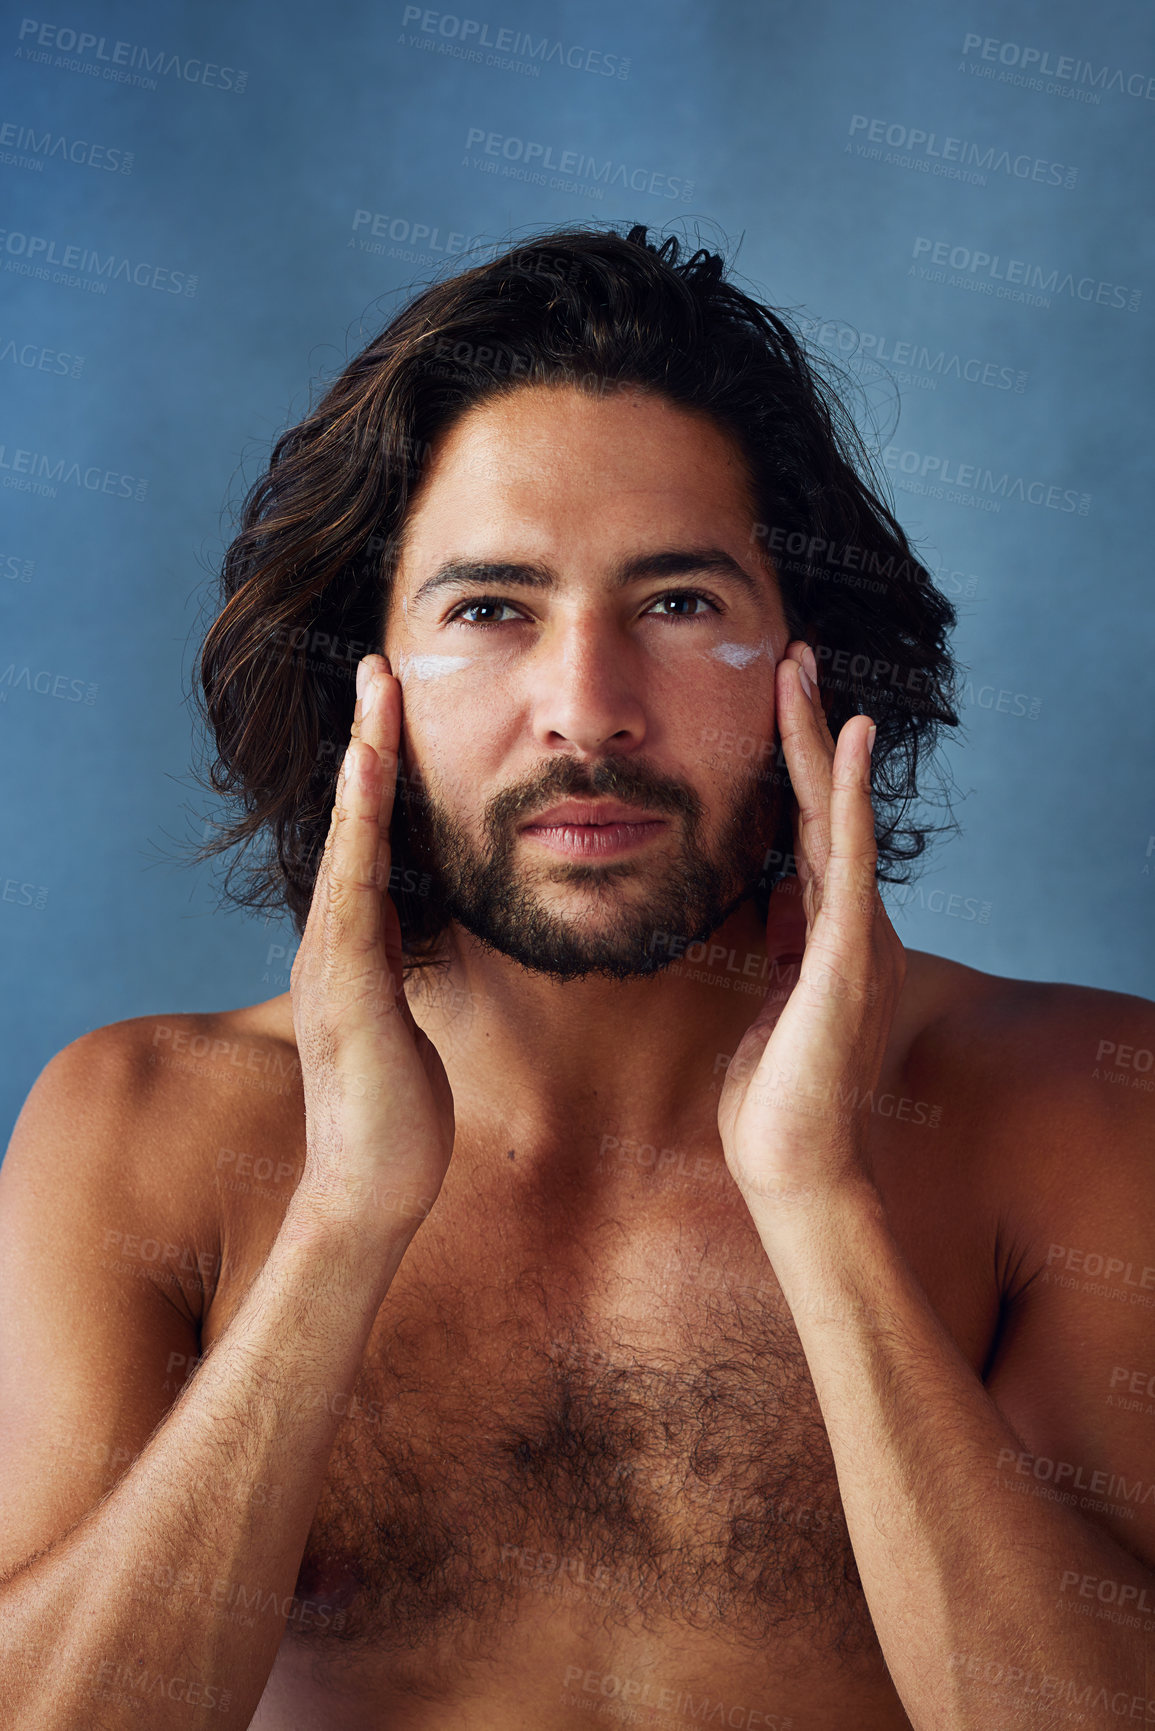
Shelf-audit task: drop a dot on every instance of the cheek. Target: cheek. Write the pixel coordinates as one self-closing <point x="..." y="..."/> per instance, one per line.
<point x="732" y="698"/>
<point x="455" y="696"/>
<point x="731" y="672"/>
<point x="452" y="706"/>
<point x="457" y="706"/>
<point x="464" y="670"/>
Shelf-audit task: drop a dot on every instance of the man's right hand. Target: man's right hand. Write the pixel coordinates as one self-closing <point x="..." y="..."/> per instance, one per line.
<point x="130" y="1506"/>
<point x="378" y="1106"/>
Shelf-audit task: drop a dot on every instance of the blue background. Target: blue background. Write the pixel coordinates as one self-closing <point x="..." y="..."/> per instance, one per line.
<point x="268" y="143"/>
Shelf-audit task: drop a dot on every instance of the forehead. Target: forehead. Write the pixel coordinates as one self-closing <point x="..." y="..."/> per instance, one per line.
<point x="547" y="460"/>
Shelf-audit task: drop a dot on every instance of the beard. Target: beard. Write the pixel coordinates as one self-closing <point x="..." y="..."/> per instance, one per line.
<point x="500" y="901"/>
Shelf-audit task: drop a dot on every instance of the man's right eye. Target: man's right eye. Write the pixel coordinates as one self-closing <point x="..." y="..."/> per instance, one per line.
<point x="490" y="601"/>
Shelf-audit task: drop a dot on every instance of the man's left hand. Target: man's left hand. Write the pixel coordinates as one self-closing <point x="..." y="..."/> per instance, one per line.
<point x="794" y="1108"/>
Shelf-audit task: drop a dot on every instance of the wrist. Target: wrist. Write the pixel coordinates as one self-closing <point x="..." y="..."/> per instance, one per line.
<point x="366" y="1243"/>
<point x="821" y="1231"/>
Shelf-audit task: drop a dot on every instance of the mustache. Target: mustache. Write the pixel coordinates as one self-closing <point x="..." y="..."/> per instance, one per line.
<point x="630" y="780"/>
<point x="626" y="779"/>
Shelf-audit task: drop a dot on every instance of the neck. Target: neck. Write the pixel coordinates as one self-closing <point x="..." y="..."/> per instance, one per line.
<point x="641" y="1060"/>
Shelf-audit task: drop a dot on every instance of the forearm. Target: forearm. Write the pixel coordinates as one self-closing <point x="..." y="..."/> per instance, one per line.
<point x="962" y="1575"/>
<point x="171" y="1595"/>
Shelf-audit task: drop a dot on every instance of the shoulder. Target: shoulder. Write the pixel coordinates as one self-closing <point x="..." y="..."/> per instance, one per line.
<point x="144" y="1120"/>
<point x="158" y="1069"/>
<point x="226" y="1052"/>
<point x="1046" y="1086"/>
<point x="1039" y="1043"/>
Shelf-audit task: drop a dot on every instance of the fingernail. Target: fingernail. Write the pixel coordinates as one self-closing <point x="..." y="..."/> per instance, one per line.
<point x="362" y="676"/>
<point x="347" y="763"/>
<point x="870" y="740"/>
<point x="369" y="698"/>
<point x="810" y="664"/>
<point x="804" y="681"/>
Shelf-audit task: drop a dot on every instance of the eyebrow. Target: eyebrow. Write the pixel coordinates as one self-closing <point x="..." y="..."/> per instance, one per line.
<point x="671" y="562"/>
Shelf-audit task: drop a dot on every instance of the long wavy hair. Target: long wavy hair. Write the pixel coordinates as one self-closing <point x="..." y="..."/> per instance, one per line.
<point x="305" y="583"/>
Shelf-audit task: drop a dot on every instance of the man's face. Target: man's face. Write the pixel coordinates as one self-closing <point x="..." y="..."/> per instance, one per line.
<point x="625" y="629"/>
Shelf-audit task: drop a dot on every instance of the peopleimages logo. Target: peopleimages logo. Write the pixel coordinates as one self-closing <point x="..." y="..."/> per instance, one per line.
<point x="1036" y="283"/>
<point x="35" y="472"/>
<point x="535" y="159"/>
<point x="37" y="357"/>
<point x="474" y="33"/>
<point x="964" y="483"/>
<point x="120" y="62"/>
<point x="1040" y="63"/>
<point x="40" y="256"/>
<point x="43" y="146"/>
<point x="914" y="146"/>
<point x="403" y="232"/>
<point x="924" y="363"/>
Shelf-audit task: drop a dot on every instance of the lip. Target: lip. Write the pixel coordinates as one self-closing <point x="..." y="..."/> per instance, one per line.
<point x="576" y="811"/>
<point x="586" y="828"/>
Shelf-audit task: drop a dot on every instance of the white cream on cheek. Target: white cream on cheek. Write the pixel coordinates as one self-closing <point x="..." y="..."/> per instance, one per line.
<point x="741" y="654"/>
<point x="447" y="722"/>
<point x="430" y="666"/>
<point x="745" y="657"/>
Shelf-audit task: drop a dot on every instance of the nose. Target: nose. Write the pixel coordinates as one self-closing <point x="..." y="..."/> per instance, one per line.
<point x="586" y="688"/>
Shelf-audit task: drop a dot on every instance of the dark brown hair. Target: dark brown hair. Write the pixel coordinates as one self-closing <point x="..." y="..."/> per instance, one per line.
<point x="305" y="582"/>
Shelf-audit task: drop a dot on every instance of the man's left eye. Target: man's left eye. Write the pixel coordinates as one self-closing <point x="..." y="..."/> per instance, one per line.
<point x="686" y="595"/>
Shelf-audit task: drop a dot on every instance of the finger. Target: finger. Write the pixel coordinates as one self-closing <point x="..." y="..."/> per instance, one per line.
<point x="809" y="754"/>
<point x="802" y="652"/>
<point x="856" y="940"/>
<point x="349" y="893"/>
<point x="851" y="886"/>
<point x="379" y="710"/>
<point x="345" y="914"/>
<point x="315" y="917"/>
<point x="321" y="875"/>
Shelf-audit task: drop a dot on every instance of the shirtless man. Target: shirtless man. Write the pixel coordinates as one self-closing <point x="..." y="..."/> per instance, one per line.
<point x="574" y="1331"/>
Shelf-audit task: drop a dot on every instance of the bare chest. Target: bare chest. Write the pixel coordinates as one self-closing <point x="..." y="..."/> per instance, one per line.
<point x="650" y="1458"/>
<point x="603" y="1436"/>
